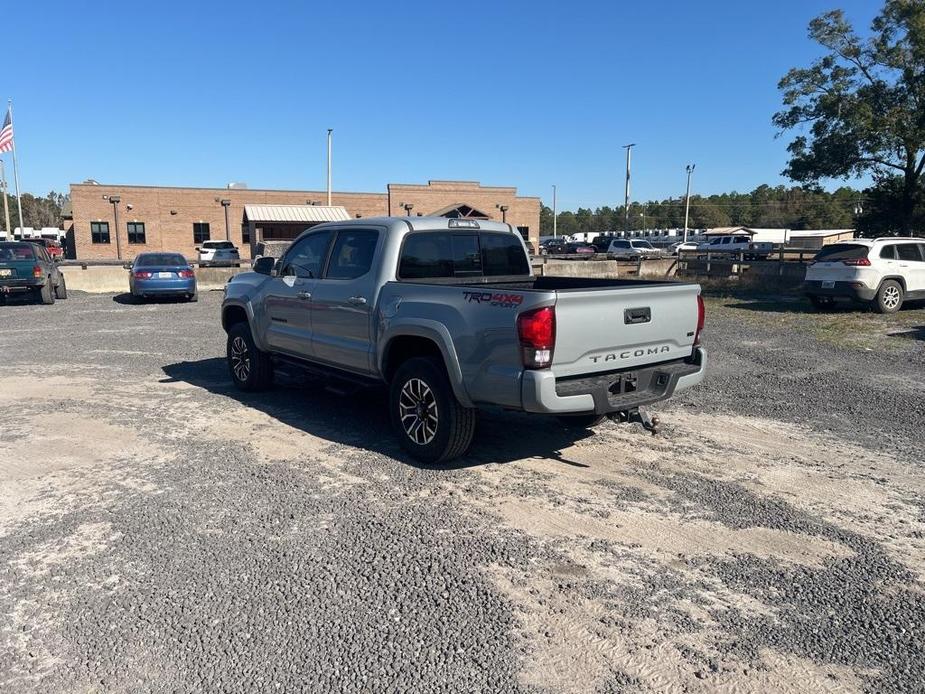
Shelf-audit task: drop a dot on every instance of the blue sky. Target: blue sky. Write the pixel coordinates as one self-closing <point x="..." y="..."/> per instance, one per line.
<point x="522" y="93"/>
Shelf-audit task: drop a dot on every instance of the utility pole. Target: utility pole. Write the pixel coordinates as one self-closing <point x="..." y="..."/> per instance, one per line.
<point x="554" y="220"/>
<point x="330" y="132"/>
<point x="626" y="192"/>
<point x="687" y="205"/>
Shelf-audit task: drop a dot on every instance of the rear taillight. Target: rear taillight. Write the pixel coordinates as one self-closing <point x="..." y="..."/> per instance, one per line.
<point x="701" y="317"/>
<point x="856" y="262"/>
<point x="36" y="271"/>
<point x="537" y="332"/>
<point x="185" y="274"/>
<point x="142" y="275"/>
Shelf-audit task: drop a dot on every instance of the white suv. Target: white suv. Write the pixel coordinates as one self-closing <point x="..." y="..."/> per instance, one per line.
<point x="884" y="272"/>
<point x="218" y="253"/>
<point x="633" y="250"/>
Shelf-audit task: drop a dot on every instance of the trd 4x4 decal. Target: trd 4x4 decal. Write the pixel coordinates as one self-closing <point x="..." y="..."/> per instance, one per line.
<point x="494" y="299"/>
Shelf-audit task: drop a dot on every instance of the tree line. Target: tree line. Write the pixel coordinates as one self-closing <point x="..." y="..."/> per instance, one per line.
<point x="38" y="211"/>
<point x="792" y="207"/>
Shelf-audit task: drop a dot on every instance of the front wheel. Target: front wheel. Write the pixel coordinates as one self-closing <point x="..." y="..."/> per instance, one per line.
<point x="251" y="369"/>
<point x="889" y="297"/>
<point x="431" y="424"/>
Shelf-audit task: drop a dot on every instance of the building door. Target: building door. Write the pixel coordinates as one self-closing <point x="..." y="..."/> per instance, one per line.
<point x="288" y="297"/>
<point x="343" y="302"/>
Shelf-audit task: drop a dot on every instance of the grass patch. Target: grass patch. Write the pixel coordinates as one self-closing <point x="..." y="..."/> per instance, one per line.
<point x="848" y="325"/>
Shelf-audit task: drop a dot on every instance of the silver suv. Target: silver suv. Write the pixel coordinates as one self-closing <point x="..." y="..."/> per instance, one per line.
<point x="884" y="272"/>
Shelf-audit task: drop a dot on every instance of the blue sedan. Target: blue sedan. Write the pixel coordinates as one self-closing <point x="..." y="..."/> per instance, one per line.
<point x="162" y="274"/>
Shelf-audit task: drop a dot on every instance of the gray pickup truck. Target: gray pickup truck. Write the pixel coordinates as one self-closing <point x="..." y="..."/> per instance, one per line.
<point x="447" y="314"/>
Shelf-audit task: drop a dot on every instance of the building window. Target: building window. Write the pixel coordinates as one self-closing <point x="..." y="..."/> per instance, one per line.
<point x="524" y="232"/>
<point x="200" y="232"/>
<point x="136" y="232"/>
<point x="99" y="232"/>
<point x="245" y="233"/>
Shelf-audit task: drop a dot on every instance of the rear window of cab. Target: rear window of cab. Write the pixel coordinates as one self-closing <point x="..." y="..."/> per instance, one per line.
<point x="436" y="255"/>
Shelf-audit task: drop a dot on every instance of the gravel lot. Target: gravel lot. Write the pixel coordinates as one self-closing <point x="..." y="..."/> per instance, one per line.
<point x="160" y="531"/>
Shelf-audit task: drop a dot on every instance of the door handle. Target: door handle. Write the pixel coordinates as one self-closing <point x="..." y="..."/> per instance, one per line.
<point x="304" y="295"/>
<point x="357" y="300"/>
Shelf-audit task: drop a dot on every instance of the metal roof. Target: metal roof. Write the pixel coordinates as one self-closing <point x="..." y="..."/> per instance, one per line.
<point x="295" y="213"/>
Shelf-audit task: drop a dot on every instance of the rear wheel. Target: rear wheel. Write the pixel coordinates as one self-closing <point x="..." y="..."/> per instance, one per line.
<point x="889" y="297"/>
<point x="61" y="289"/>
<point x="193" y="297"/>
<point x="251" y="369"/>
<point x="47" y="293"/>
<point x="582" y="421"/>
<point x="431" y="424"/>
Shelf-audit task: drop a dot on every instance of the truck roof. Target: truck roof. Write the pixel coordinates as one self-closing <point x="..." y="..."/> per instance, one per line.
<point x="424" y="224"/>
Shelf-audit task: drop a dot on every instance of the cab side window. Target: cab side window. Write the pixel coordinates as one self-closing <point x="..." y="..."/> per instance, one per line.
<point x="888" y="252"/>
<point x="306" y="257"/>
<point x="353" y="253"/>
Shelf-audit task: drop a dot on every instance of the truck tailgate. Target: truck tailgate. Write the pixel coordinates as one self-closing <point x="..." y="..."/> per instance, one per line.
<point x="607" y="329"/>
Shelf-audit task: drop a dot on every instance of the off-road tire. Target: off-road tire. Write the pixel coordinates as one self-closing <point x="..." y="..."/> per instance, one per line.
<point x="455" y="424"/>
<point x="61" y="289"/>
<point x="47" y="293"/>
<point x="889" y="297"/>
<point x="582" y="421"/>
<point x="250" y="368"/>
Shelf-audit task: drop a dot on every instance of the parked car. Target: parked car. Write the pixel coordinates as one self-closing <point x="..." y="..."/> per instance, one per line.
<point x="737" y="243"/>
<point x="216" y="253"/>
<point x="632" y="249"/>
<point x="161" y="274"/>
<point x="883" y="272"/>
<point x="54" y="248"/>
<point x="683" y="247"/>
<point x="27" y="267"/>
<point x="447" y="314"/>
<point x="602" y="243"/>
<point x="580" y="248"/>
<point x="554" y="247"/>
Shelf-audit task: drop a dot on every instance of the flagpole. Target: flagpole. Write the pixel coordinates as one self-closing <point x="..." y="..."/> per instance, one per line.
<point x="6" y="202"/>
<point x="22" y="222"/>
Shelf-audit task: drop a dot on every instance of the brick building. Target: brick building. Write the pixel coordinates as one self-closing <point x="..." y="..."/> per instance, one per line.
<point x="178" y="219"/>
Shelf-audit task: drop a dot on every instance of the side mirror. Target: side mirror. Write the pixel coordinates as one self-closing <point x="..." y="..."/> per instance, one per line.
<point x="264" y="265"/>
<point x="198" y="249"/>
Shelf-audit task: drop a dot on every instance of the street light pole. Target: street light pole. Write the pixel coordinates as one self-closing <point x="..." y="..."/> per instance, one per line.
<point x="115" y="200"/>
<point x="226" y="204"/>
<point x="687" y="205"/>
<point x="626" y="191"/>
<point x="554" y="219"/>
<point x="330" y="132"/>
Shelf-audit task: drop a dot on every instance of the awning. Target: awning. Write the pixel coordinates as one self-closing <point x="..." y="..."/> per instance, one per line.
<point x="297" y="214"/>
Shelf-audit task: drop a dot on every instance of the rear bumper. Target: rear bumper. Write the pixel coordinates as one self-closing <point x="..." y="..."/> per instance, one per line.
<point x="163" y="287"/>
<point x="20" y="284"/>
<point x="848" y="290"/>
<point x="614" y="391"/>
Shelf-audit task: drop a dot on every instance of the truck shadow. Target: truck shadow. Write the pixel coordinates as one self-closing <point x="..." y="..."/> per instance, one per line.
<point x="361" y="419"/>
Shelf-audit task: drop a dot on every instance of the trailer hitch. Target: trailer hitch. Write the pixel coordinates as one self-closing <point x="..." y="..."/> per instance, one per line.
<point x="637" y="415"/>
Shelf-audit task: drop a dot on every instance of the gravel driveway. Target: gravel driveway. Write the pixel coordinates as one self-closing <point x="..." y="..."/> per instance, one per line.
<point x="160" y="531"/>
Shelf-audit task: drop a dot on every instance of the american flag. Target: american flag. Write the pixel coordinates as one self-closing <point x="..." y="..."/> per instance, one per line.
<point x="6" y="134"/>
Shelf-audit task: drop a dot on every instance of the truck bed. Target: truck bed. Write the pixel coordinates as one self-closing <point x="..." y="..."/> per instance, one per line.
<point x="540" y="284"/>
